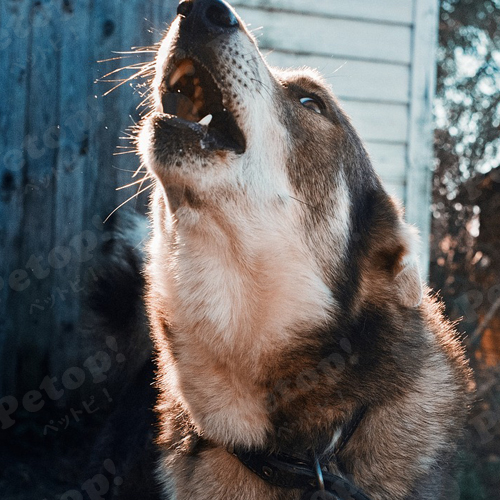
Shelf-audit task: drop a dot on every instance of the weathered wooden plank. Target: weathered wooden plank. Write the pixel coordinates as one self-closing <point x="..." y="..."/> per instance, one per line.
<point x="72" y="165"/>
<point x="420" y="152"/>
<point x="389" y="160"/>
<point x="378" y="122"/>
<point x="353" y="79"/>
<point x="105" y="128"/>
<point x="32" y="309"/>
<point x="14" y="46"/>
<point x="394" y="11"/>
<point x="135" y="32"/>
<point x="331" y="37"/>
<point x="142" y="26"/>
<point x="163" y="14"/>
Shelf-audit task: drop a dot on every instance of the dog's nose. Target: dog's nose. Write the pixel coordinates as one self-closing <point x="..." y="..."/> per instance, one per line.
<point x="213" y="16"/>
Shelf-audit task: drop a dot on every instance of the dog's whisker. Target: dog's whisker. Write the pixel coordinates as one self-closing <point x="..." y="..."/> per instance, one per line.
<point x="100" y="61"/>
<point x="151" y="184"/>
<point x="138" y="50"/>
<point x="260" y="28"/>
<point x="130" y="137"/>
<point x="122" y="169"/>
<point x="263" y="85"/>
<point x="121" y="153"/>
<point x="130" y="67"/>
<point x="340" y="67"/>
<point x="138" y="171"/>
<point x="139" y="181"/>
<point x="123" y="57"/>
<point x="268" y="53"/>
<point x="135" y="125"/>
<point x="126" y="80"/>
<point x="143" y="70"/>
<point x="144" y="103"/>
<point x="126" y="201"/>
<point x="332" y="74"/>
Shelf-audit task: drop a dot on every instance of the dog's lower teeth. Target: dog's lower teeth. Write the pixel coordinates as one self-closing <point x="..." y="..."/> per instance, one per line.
<point x="206" y="121"/>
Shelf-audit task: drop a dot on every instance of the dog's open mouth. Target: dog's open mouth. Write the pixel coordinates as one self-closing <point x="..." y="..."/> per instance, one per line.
<point x="191" y="95"/>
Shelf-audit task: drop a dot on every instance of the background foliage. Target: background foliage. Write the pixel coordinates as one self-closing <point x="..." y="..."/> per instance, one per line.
<point x="465" y="242"/>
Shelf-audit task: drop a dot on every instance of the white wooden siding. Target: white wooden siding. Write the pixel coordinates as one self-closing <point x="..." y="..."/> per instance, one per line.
<point x="396" y="11"/>
<point x="379" y="122"/>
<point x="290" y="31"/>
<point x="379" y="58"/>
<point x="390" y="161"/>
<point x="352" y="79"/>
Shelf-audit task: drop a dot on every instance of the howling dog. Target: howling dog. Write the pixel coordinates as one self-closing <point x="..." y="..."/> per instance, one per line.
<point x="298" y="354"/>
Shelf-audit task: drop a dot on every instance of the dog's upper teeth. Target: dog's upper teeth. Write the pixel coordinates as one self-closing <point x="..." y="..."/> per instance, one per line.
<point x="184" y="68"/>
<point x="206" y="121"/>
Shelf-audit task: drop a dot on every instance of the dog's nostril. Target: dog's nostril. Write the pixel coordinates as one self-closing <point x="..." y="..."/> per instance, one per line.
<point x="184" y="8"/>
<point x="219" y="15"/>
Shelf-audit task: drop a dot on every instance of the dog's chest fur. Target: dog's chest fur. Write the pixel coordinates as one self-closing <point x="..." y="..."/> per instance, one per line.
<point x="238" y="293"/>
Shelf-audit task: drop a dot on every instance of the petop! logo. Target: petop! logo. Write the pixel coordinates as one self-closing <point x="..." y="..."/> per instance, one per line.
<point x="52" y="388"/>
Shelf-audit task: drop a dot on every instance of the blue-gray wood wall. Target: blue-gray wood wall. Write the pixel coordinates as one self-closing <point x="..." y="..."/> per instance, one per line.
<point x="58" y="165"/>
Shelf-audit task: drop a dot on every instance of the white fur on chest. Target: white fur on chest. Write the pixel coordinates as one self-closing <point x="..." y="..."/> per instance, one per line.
<point x="235" y="294"/>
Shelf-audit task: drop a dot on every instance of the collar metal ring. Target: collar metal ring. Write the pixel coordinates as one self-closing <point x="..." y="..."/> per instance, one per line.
<point x="319" y="475"/>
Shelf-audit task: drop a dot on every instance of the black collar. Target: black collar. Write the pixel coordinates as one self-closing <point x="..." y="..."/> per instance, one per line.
<point x="310" y="475"/>
<point x="288" y="472"/>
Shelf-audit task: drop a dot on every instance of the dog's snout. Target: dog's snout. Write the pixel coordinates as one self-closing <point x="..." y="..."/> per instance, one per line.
<point x="185" y="8"/>
<point x="206" y="16"/>
<point x="219" y="14"/>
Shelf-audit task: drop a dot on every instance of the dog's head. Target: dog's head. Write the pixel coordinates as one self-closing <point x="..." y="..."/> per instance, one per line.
<point x="239" y="147"/>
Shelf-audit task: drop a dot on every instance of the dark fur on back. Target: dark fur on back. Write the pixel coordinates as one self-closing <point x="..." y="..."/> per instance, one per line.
<point x="115" y="307"/>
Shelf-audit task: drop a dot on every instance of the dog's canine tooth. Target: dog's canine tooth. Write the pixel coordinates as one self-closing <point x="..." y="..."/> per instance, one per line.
<point x="206" y="121"/>
<point x="184" y="68"/>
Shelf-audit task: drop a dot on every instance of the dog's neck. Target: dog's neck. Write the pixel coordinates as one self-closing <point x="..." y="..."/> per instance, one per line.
<point x="239" y="282"/>
<point x="235" y="291"/>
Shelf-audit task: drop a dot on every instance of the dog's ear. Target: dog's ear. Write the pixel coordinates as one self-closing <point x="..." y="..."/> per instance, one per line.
<point x="406" y="271"/>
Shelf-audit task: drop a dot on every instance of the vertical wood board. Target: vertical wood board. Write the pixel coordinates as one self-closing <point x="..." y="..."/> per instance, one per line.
<point x="14" y="49"/>
<point x="420" y="130"/>
<point x="32" y="309"/>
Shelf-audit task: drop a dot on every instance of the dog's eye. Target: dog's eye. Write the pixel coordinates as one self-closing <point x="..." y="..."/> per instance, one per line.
<point x="311" y="103"/>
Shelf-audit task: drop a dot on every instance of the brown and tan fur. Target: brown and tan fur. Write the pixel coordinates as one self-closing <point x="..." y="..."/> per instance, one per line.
<point x="284" y="292"/>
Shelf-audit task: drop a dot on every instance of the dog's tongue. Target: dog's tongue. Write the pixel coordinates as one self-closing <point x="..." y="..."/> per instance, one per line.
<point x="182" y="106"/>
